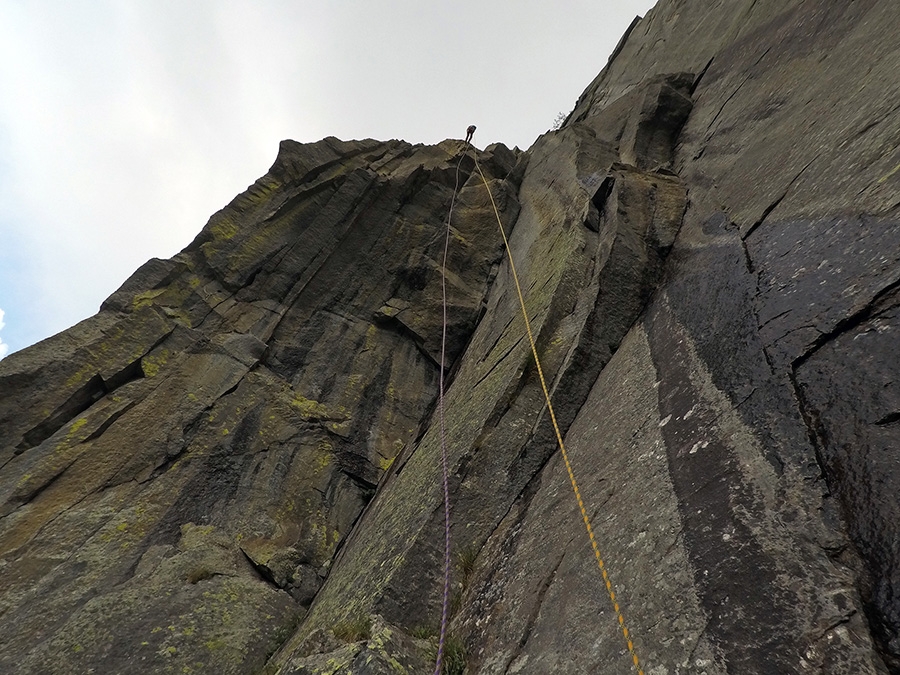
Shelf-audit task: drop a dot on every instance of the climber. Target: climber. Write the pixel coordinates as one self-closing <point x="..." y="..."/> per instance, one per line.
<point x="469" y="132"/>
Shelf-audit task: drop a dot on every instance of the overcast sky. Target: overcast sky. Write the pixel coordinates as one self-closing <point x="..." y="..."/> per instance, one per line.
<point x="125" y="124"/>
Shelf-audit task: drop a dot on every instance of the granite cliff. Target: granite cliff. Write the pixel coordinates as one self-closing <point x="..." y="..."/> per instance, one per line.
<point x="234" y="466"/>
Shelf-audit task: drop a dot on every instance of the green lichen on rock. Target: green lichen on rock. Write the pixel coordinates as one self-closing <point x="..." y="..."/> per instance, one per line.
<point x="381" y="648"/>
<point x="237" y="461"/>
<point x="191" y="458"/>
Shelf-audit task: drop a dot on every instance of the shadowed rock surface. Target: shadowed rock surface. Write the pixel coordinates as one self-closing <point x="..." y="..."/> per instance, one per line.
<point x="235" y="466"/>
<point x="179" y="470"/>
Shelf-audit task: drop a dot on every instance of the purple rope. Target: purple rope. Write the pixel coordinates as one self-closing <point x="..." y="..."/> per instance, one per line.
<point x="446" y="604"/>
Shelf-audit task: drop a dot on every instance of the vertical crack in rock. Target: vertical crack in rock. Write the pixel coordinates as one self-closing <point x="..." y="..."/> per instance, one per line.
<point x="536" y="609"/>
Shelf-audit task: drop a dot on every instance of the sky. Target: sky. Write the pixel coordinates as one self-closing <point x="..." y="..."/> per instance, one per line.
<point x="125" y="124"/>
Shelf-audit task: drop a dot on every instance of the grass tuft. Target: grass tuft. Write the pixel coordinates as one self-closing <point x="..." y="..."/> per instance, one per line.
<point x="423" y="632"/>
<point x="454" y="656"/>
<point x="199" y="574"/>
<point x="353" y="630"/>
<point x="465" y="563"/>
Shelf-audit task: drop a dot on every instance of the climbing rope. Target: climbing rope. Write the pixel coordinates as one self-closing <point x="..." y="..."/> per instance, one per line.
<point x="587" y="523"/>
<point x="444" y="469"/>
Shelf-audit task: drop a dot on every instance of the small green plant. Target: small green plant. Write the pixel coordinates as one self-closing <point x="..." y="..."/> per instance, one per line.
<point x="454" y="656"/>
<point x="353" y="630"/>
<point x="423" y="632"/>
<point x="465" y="563"/>
<point x="559" y="120"/>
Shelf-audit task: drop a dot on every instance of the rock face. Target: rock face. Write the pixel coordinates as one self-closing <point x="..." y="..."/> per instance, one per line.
<point x="179" y="470"/>
<point x="234" y="466"/>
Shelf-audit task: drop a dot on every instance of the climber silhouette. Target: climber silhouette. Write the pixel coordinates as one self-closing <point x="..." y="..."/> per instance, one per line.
<point x="469" y="132"/>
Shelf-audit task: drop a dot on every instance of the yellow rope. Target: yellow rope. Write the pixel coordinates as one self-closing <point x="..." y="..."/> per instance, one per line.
<point x="562" y="446"/>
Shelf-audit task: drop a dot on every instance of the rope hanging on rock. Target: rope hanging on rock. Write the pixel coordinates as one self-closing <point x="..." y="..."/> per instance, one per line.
<point x="444" y="468"/>
<point x="587" y="523"/>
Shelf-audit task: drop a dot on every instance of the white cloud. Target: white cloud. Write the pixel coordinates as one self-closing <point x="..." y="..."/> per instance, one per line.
<point x="4" y="348"/>
<point x="124" y="126"/>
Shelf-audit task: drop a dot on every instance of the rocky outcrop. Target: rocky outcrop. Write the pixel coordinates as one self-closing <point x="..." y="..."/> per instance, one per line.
<point x="179" y="470"/>
<point x="234" y="465"/>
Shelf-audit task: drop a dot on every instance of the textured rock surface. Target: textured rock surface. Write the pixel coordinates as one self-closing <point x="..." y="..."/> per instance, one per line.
<point x="236" y="459"/>
<point x="378" y="648"/>
<point x="179" y="470"/>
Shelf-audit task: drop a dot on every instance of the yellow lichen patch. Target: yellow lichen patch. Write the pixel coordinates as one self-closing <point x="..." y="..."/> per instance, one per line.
<point x="223" y="228"/>
<point x="79" y="376"/>
<point x="76" y="425"/>
<point x="192" y="534"/>
<point x="146" y="299"/>
<point x="309" y="408"/>
<point x="284" y="511"/>
<point x="325" y="454"/>
<point x="457" y="237"/>
<point x="130" y="527"/>
<point x="260" y="550"/>
<point x="325" y="540"/>
<point x="152" y="363"/>
<point x="261" y="190"/>
<point x="391" y="390"/>
<point x="369" y="342"/>
<point x="354" y="383"/>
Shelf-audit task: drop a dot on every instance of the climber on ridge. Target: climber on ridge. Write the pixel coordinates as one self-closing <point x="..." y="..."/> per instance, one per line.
<point x="469" y="132"/>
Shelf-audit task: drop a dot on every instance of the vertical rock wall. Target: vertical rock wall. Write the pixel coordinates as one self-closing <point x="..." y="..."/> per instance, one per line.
<point x="178" y="471"/>
<point x="741" y="480"/>
<point x="235" y="464"/>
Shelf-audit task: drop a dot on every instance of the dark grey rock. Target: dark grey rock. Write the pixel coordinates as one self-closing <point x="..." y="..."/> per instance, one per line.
<point x="237" y="461"/>
<point x="219" y="426"/>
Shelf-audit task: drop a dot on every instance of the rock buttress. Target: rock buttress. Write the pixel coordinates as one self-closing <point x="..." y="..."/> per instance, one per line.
<point x="589" y="251"/>
<point x="772" y="447"/>
<point x="708" y="253"/>
<point x="178" y="471"/>
<point x="736" y="446"/>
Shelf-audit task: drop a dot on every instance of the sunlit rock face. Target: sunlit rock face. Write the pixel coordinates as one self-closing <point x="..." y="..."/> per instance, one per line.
<point x="234" y="467"/>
